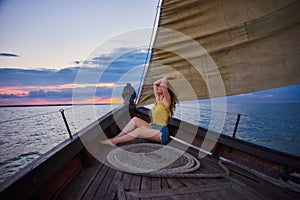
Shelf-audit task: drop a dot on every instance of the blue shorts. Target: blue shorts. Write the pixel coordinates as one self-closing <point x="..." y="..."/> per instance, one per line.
<point x="164" y="132"/>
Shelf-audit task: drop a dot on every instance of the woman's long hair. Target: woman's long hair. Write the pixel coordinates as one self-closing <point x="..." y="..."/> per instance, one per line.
<point x="174" y="99"/>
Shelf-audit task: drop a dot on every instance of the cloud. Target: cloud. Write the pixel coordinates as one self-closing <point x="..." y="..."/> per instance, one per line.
<point x="36" y="77"/>
<point x="41" y="94"/>
<point x="37" y="94"/>
<point x="106" y="68"/>
<point x="8" y="96"/>
<point x="8" y="55"/>
<point x="112" y="67"/>
<point x="102" y="79"/>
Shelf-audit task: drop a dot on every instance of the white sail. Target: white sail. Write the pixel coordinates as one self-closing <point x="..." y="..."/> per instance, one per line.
<point x="223" y="48"/>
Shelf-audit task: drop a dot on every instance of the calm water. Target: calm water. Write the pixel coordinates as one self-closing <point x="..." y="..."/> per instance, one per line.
<point x="276" y="126"/>
<point x="28" y="132"/>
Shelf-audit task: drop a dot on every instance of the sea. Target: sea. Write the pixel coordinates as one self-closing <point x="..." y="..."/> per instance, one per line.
<point x="26" y="133"/>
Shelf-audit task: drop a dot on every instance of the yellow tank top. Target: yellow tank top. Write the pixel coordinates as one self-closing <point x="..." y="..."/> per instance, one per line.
<point x="160" y="114"/>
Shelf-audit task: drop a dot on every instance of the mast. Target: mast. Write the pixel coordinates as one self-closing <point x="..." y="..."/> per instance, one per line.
<point x="149" y="50"/>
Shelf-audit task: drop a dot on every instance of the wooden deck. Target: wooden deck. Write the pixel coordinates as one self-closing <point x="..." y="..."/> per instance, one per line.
<point x="102" y="182"/>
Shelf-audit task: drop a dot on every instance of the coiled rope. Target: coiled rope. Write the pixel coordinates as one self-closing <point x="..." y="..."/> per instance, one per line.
<point x="158" y="161"/>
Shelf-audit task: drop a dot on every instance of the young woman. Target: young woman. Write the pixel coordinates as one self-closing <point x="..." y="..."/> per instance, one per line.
<point x="162" y="109"/>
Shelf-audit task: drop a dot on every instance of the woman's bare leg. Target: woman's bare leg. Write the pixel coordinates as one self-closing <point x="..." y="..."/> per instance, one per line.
<point x="129" y="128"/>
<point x="132" y="124"/>
<point x="148" y="133"/>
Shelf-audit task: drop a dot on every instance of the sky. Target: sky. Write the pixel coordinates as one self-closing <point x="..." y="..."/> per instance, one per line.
<point x="66" y="51"/>
<point x="44" y="44"/>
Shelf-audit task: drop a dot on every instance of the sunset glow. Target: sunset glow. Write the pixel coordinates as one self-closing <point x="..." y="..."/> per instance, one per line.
<point x="9" y="102"/>
<point x="24" y="90"/>
<point x="14" y="90"/>
<point x="35" y="95"/>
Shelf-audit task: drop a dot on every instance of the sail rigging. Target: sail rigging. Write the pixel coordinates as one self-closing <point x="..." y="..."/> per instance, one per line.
<point x="223" y="48"/>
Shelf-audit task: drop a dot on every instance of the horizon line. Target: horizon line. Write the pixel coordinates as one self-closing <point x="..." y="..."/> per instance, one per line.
<point x="37" y="105"/>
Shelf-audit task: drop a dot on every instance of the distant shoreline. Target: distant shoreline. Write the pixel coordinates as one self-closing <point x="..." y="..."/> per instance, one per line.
<point x="2" y="106"/>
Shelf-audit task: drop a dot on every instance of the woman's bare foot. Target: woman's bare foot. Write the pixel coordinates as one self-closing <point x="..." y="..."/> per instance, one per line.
<point x="108" y="142"/>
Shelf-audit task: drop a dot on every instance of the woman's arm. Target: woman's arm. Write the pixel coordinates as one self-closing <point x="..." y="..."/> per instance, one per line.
<point x="163" y="83"/>
<point x="156" y="84"/>
<point x="164" y="79"/>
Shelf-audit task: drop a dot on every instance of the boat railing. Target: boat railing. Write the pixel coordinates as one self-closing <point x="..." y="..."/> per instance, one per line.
<point x="62" y="111"/>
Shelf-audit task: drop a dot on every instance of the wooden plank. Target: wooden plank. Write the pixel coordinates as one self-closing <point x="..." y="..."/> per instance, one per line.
<point x="164" y="184"/>
<point x="96" y="183"/>
<point x="187" y="197"/>
<point x="174" y="183"/>
<point x="126" y="180"/>
<point x="250" y="190"/>
<point x="135" y="184"/>
<point x="197" y="196"/>
<point x="190" y="182"/>
<point x="146" y="183"/>
<point x="80" y="183"/>
<point x="160" y="198"/>
<point x="245" y="194"/>
<point x="103" y="187"/>
<point x="156" y="183"/>
<point x="193" y="196"/>
<point x="214" y="196"/>
<point x="262" y="188"/>
<point x="180" y="197"/>
<point x="113" y="187"/>
<point x="231" y="193"/>
<point x="61" y="179"/>
<point x="178" y="191"/>
<point x="121" y="191"/>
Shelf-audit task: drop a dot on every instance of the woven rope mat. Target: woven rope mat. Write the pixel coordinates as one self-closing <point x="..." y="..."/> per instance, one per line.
<point x="152" y="159"/>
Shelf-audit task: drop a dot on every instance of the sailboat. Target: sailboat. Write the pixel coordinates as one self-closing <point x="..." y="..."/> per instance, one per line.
<point x="217" y="49"/>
